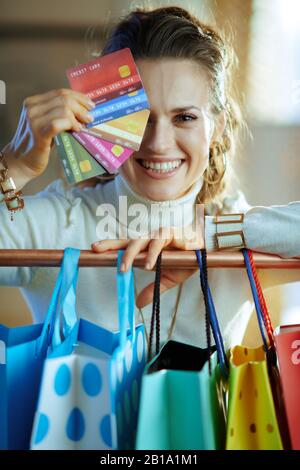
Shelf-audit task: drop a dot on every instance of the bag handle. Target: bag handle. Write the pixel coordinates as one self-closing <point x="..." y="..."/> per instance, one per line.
<point x="204" y="283"/>
<point x="255" y="298"/>
<point x="61" y="315"/>
<point x="155" y="317"/>
<point x="44" y="339"/>
<point x="126" y="302"/>
<point x="66" y="316"/>
<point x="211" y="312"/>
<point x="65" y="282"/>
<point x="125" y="288"/>
<point x="264" y="308"/>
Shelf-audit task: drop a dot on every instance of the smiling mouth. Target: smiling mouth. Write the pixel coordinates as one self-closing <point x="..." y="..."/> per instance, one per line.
<point x="160" y="167"/>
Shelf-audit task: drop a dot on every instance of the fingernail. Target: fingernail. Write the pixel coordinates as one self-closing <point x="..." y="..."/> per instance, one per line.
<point x="148" y="266"/>
<point x="123" y="267"/>
<point x="88" y="117"/>
<point x="91" y="104"/>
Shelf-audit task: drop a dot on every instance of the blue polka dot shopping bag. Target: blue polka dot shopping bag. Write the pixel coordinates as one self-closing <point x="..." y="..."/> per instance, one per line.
<point x="182" y="399"/>
<point x="22" y="354"/>
<point x="89" y="394"/>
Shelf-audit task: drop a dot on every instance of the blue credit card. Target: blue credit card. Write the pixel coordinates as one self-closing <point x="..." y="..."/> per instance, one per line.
<point x="118" y="107"/>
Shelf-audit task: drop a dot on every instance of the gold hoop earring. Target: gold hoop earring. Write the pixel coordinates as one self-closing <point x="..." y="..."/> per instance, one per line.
<point x="215" y="150"/>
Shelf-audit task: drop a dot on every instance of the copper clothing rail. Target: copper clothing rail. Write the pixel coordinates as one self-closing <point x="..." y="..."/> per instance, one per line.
<point x="173" y="259"/>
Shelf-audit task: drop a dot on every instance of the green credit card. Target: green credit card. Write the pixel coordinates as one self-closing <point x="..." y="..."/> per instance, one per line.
<point x="77" y="163"/>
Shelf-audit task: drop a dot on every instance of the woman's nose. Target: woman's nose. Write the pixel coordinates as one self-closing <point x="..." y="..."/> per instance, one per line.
<point x="159" y="137"/>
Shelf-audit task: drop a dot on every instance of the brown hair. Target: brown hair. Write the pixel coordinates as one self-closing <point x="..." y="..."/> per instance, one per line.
<point x="174" y="32"/>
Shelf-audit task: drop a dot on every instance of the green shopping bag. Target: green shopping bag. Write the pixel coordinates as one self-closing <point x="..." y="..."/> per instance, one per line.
<point x="182" y="404"/>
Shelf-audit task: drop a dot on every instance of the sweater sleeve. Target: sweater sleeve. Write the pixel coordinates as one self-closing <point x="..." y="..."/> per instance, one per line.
<point x="42" y="224"/>
<point x="273" y="230"/>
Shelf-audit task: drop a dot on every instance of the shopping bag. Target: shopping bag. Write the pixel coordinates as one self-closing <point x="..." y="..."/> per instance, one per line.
<point x="287" y="340"/>
<point x="272" y="358"/>
<point x="23" y="350"/>
<point x="252" y="422"/>
<point x="89" y="394"/>
<point x="181" y="403"/>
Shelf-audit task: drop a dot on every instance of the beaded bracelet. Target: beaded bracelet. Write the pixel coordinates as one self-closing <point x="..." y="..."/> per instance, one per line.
<point x="13" y="199"/>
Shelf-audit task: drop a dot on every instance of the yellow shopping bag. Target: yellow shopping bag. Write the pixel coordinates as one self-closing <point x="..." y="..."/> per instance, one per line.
<point x="252" y="422"/>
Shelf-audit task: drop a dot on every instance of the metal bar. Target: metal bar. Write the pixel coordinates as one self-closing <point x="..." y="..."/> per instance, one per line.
<point x="172" y="259"/>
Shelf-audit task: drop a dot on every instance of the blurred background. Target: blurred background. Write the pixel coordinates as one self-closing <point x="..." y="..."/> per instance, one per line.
<point x="39" y="40"/>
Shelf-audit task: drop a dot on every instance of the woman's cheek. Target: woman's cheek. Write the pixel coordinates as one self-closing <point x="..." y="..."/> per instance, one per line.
<point x="198" y="150"/>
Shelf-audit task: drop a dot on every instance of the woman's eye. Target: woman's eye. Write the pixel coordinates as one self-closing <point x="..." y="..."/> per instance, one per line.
<point x="186" y="117"/>
<point x="181" y="117"/>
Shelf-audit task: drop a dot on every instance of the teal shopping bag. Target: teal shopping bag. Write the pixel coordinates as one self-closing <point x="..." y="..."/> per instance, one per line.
<point x="23" y="351"/>
<point x="182" y="399"/>
<point x="89" y="394"/>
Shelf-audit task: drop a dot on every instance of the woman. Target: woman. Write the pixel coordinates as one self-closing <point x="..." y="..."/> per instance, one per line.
<point x="192" y="127"/>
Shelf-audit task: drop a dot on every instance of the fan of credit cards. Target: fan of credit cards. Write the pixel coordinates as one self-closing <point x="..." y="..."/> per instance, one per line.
<point x="120" y="117"/>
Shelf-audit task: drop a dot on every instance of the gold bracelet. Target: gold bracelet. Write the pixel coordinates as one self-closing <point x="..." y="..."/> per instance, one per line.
<point x="13" y="199"/>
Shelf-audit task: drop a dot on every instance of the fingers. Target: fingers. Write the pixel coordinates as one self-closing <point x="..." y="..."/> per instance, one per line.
<point x="57" y="111"/>
<point x="62" y="106"/>
<point x="134" y="247"/>
<point x="63" y="93"/>
<point x="169" y="279"/>
<point x="154" y="249"/>
<point x="187" y="237"/>
<point x="55" y="121"/>
<point x="157" y="241"/>
<point x="106" y="245"/>
<point x="145" y="297"/>
<point x="45" y="129"/>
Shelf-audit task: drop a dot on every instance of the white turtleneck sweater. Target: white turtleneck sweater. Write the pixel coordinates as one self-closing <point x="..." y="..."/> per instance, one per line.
<point x="61" y="216"/>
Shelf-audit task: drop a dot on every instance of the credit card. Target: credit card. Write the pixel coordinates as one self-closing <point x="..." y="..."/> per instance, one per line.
<point x="77" y="162"/>
<point x="122" y="108"/>
<point x="110" y="156"/>
<point x="127" y="131"/>
<point x="118" y="107"/>
<point x="106" y="77"/>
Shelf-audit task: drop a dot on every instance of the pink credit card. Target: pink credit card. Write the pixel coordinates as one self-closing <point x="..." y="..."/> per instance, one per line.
<point x="111" y="156"/>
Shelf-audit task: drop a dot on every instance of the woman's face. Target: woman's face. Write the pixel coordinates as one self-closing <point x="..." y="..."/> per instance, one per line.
<point x="175" y="147"/>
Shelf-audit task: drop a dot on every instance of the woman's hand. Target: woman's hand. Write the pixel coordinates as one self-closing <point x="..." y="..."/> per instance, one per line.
<point x="165" y="238"/>
<point x="42" y="118"/>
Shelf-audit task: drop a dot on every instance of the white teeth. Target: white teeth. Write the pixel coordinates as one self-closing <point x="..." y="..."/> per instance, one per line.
<point x="161" y="167"/>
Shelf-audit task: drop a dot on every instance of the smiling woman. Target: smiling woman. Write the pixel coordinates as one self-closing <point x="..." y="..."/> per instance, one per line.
<point x="186" y="70"/>
<point x="184" y="160"/>
<point x="175" y="148"/>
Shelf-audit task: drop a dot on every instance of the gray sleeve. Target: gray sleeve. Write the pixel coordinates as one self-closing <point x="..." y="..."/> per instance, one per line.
<point x="42" y="224"/>
<point x="273" y="230"/>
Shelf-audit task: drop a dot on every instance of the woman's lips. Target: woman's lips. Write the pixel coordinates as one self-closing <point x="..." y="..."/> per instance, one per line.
<point x="157" y="174"/>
